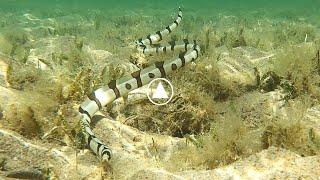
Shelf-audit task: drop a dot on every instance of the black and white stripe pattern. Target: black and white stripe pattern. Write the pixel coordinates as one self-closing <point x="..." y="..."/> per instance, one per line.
<point x="172" y="46"/>
<point x="117" y="88"/>
<point x="158" y="36"/>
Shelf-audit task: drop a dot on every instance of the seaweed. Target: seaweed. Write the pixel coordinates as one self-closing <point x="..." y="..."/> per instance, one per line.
<point x="20" y="75"/>
<point x="287" y="33"/>
<point x="295" y="64"/>
<point x="22" y="120"/>
<point x="16" y="44"/>
<point x="187" y="114"/>
<point x="1" y="112"/>
<point x="317" y="62"/>
<point x="293" y="136"/>
<point x="227" y="141"/>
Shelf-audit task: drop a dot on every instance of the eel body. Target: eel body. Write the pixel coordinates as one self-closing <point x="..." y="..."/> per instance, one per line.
<point x="118" y="88"/>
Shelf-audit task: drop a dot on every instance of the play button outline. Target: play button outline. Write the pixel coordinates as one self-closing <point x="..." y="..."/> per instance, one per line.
<point x="161" y="91"/>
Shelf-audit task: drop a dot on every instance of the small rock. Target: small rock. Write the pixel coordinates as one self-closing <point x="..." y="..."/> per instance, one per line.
<point x="45" y="51"/>
<point x="26" y="174"/>
<point x="98" y="55"/>
<point x="270" y="81"/>
<point x="33" y="59"/>
<point x="238" y="65"/>
<point x="139" y="60"/>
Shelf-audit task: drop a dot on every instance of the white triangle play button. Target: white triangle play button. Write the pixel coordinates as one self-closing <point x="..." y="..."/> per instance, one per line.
<point x="160" y="92"/>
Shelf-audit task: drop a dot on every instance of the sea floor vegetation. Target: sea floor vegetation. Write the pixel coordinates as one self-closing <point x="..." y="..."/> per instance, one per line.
<point x="256" y="84"/>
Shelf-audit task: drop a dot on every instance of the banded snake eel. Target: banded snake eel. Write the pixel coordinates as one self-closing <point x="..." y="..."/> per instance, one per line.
<point x="118" y="88"/>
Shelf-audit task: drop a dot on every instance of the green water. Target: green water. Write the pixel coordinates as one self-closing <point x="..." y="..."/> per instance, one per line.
<point x="304" y="6"/>
<point x="130" y="13"/>
<point x="207" y="10"/>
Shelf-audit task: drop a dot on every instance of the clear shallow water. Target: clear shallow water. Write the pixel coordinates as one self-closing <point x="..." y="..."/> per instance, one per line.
<point x="201" y="5"/>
